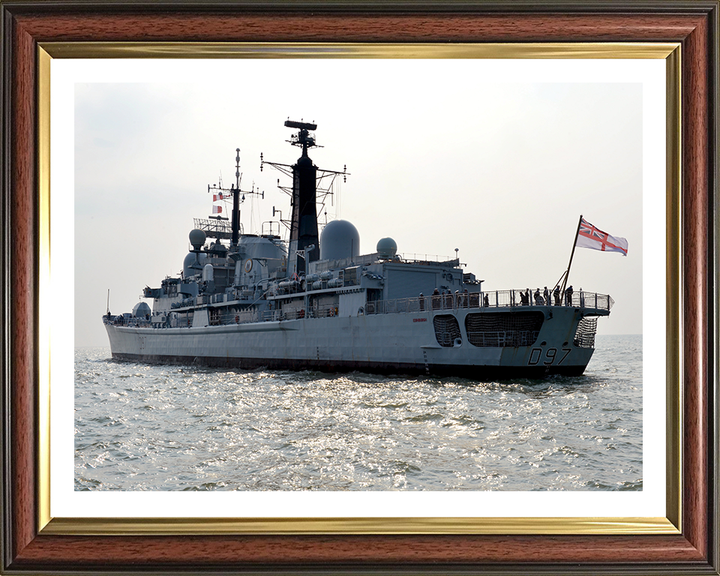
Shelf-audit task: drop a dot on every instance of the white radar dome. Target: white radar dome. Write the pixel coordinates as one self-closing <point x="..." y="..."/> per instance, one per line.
<point x="386" y="248"/>
<point x="197" y="238"/>
<point x="208" y="273"/>
<point x="339" y="239"/>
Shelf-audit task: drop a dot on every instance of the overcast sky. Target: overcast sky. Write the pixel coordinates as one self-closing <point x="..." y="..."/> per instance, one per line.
<point x="441" y="156"/>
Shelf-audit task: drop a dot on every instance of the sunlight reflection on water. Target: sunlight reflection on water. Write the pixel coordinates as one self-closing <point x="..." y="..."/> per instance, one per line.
<point x="141" y="427"/>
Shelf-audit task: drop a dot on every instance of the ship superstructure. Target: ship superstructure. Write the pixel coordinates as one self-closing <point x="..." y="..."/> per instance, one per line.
<point x="314" y="302"/>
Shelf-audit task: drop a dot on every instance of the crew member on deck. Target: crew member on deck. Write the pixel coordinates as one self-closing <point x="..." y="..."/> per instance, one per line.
<point x="568" y="295"/>
<point x="436" y="299"/>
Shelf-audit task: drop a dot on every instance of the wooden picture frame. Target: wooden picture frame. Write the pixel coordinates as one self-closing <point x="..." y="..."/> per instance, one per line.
<point x="28" y="547"/>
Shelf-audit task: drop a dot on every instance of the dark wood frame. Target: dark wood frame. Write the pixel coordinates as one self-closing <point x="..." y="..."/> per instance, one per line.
<point x="692" y="23"/>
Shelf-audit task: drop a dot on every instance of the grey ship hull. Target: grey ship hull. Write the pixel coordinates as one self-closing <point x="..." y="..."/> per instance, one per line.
<point x="382" y="343"/>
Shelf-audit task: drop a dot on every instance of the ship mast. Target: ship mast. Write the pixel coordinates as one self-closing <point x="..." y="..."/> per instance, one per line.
<point x="238" y="197"/>
<point x="304" y="239"/>
<point x="303" y="222"/>
<point x="236" y="202"/>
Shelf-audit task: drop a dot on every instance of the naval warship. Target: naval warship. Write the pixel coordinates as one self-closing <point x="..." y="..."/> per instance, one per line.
<point x="252" y="300"/>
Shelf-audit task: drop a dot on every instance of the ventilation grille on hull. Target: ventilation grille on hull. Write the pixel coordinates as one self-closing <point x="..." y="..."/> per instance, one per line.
<point x="497" y="329"/>
<point x="447" y="330"/>
<point x="585" y="333"/>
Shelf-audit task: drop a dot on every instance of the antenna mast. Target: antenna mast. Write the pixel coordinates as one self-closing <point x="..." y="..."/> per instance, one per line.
<point x="237" y="199"/>
<point x="304" y="238"/>
<point x="236" y="202"/>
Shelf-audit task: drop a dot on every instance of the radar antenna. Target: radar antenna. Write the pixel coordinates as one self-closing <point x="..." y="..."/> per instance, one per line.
<point x="303" y="138"/>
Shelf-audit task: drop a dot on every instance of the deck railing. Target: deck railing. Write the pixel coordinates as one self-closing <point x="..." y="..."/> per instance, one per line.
<point x="495" y="299"/>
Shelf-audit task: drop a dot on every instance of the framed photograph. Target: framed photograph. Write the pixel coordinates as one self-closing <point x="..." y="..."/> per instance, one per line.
<point x="92" y="95"/>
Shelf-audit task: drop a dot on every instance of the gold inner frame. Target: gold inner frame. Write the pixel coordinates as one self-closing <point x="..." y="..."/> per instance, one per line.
<point x="671" y="524"/>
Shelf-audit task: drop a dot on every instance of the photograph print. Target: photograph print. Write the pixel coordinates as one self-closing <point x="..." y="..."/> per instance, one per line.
<point x="358" y="275"/>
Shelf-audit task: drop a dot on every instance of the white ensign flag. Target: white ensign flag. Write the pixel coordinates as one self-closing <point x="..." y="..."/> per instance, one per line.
<point x="590" y="237"/>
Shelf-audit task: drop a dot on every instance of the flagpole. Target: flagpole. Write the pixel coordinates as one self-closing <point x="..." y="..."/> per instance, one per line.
<point x="567" y="272"/>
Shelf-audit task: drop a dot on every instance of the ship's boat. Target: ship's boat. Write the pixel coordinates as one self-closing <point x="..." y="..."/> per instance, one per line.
<point x="313" y="302"/>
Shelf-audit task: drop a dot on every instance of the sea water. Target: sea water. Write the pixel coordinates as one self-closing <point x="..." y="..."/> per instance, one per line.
<point x="150" y="427"/>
